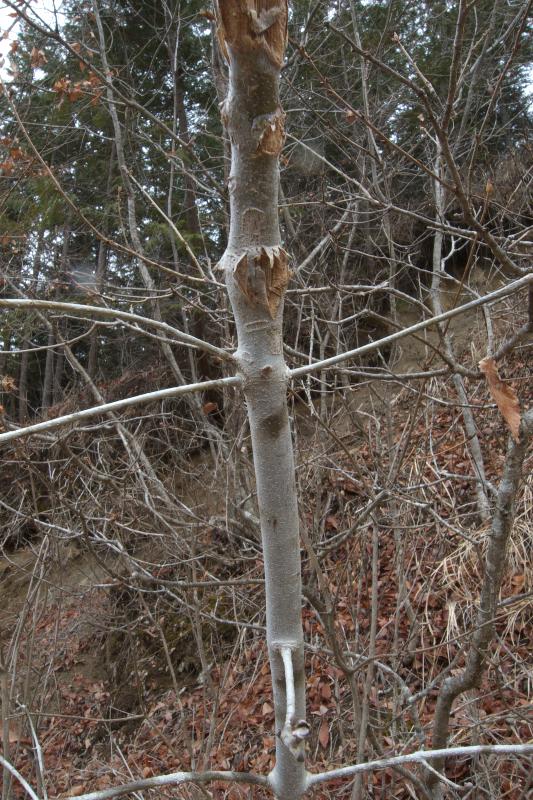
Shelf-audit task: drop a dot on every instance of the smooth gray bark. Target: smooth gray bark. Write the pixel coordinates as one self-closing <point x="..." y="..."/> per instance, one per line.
<point x="256" y="274"/>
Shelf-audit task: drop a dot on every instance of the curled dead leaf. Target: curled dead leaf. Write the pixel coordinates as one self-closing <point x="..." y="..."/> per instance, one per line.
<point x="323" y="734"/>
<point x="503" y="395"/>
<point x="7" y="383"/>
<point x="37" y="58"/>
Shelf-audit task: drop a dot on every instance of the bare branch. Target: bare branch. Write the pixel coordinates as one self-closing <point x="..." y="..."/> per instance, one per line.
<point x="421" y="756"/>
<point x="16" y="774"/>
<point x="419" y="326"/>
<point x="174" y="778"/>
<point x="111" y="313"/>
<point x="118" y="405"/>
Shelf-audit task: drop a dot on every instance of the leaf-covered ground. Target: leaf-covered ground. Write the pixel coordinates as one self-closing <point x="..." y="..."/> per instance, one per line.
<point x="98" y="729"/>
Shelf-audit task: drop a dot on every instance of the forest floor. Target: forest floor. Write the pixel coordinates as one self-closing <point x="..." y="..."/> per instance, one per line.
<point x="99" y="725"/>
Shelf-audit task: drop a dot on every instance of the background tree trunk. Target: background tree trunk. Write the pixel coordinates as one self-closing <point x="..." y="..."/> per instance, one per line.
<point x="26" y="341"/>
<point x="101" y="264"/>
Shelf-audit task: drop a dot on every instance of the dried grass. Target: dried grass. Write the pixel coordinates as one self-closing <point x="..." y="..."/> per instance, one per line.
<point x="460" y="573"/>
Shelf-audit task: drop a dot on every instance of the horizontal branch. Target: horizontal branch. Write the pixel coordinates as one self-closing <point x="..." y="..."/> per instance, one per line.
<point x="112" y="313"/>
<point x="176" y="391"/>
<point x="118" y="405"/>
<point x="175" y="778"/>
<point x="421" y="756"/>
<point x="419" y="326"/>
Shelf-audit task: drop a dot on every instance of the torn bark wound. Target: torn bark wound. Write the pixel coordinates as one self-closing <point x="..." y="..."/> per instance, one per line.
<point x="253" y="24"/>
<point x="252" y="36"/>
<point x="263" y="277"/>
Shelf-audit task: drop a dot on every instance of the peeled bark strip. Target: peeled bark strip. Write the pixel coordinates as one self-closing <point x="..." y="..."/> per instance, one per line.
<point x="252" y="38"/>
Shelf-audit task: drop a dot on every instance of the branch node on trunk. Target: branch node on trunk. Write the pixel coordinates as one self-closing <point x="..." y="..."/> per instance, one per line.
<point x="293" y="737"/>
<point x="293" y="734"/>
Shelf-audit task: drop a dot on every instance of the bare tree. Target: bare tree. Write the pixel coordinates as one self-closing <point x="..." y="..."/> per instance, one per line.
<point x="296" y="506"/>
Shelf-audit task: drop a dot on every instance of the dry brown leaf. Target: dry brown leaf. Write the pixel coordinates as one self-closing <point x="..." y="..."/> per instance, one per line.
<point x="332" y="523"/>
<point x="323" y="735"/>
<point x="37" y="58"/>
<point x="7" y="383"/>
<point x="14" y="733"/>
<point x="503" y="395"/>
<point x="325" y="691"/>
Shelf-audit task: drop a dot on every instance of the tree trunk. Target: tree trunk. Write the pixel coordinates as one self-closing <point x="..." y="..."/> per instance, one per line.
<point x="101" y="263"/>
<point x="256" y="273"/>
<point x="26" y="343"/>
<point x="474" y="446"/>
<point x="64" y="271"/>
<point x="48" y="373"/>
<point x="189" y="195"/>
<point x="23" y="381"/>
<point x="50" y="363"/>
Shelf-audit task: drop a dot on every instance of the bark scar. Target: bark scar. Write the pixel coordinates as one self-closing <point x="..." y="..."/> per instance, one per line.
<point x="242" y="27"/>
<point x="262" y="277"/>
<point x="262" y="21"/>
<point x="270" y="129"/>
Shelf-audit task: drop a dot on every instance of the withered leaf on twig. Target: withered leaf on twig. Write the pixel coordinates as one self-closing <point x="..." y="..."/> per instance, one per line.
<point x="503" y="395"/>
